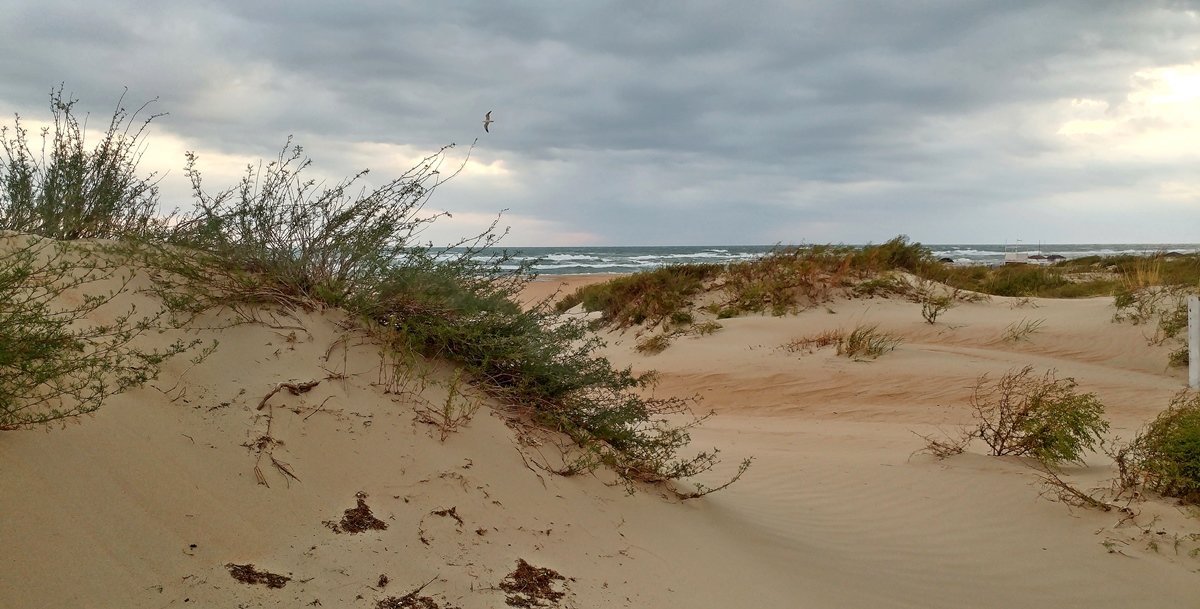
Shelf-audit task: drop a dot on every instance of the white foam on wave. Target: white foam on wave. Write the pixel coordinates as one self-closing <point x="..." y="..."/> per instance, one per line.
<point x="964" y="252"/>
<point x="564" y="257"/>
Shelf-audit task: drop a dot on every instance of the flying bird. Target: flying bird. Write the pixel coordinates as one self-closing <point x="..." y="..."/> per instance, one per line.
<point x="487" y="120"/>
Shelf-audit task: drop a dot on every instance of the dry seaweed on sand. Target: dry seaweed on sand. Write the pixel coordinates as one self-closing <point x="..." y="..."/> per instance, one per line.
<point x="451" y="512"/>
<point x="529" y="586"/>
<point x="248" y="574"/>
<point x="412" y="600"/>
<point x="357" y="519"/>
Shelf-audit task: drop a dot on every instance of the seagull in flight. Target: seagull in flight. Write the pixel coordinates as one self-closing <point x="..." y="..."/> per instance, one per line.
<point x="487" y="120"/>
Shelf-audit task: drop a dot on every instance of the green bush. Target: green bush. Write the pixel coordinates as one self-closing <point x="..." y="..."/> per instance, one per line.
<point x="312" y="241"/>
<point x="542" y="363"/>
<point x="1165" y="456"/>
<point x="1022" y="413"/>
<point x="934" y="306"/>
<point x="54" y="364"/>
<point x="278" y="239"/>
<point x="1166" y="307"/>
<point x="65" y="191"/>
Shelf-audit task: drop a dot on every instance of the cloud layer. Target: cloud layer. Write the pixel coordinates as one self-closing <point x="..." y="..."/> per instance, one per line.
<point x="674" y="123"/>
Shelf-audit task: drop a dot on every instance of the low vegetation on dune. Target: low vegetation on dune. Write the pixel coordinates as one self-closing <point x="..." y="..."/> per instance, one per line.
<point x="53" y="365"/>
<point x="866" y="342"/>
<point x="280" y="241"/>
<point x="1149" y="289"/>
<point x="644" y="298"/>
<point x="1165" y="455"/>
<point x="793" y="278"/>
<point x="783" y="281"/>
<point x="1047" y="419"/>
<point x="1024" y="413"/>
<point x="1155" y="290"/>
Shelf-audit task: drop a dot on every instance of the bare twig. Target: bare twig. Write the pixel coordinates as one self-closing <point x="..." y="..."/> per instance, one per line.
<point x="293" y="388"/>
<point x="1070" y="495"/>
<point x="318" y="408"/>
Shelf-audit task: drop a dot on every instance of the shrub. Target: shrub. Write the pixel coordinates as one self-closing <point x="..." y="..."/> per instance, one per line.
<point x="867" y="342"/>
<point x="53" y="363"/>
<point x="1026" y="414"/>
<point x="1180" y="357"/>
<point x="540" y="363"/>
<point x="1165" y="456"/>
<point x="76" y="193"/>
<point x="310" y="241"/>
<point x="933" y="306"/>
<point x="1166" y="307"/>
<point x="279" y="239"/>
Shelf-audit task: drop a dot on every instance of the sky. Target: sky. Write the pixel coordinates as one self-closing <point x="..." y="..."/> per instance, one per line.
<point x="666" y="123"/>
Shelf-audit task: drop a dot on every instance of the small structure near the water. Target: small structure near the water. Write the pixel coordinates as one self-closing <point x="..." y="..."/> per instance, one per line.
<point x="1012" y="256"/>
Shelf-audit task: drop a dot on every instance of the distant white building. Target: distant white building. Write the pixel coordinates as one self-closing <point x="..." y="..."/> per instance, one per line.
<point x="1016" y="257"/>
<point x="1012" y="256"/>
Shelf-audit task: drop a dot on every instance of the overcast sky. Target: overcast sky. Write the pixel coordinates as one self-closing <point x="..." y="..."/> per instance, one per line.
<point x="630" y="123"/>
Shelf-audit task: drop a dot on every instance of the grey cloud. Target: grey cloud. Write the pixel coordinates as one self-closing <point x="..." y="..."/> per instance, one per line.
<point x="727" y="122"/>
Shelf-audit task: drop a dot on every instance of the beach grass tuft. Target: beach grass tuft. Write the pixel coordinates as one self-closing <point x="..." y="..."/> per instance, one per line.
<point x="1022" y="330"/>
<point x="867" y="342"/>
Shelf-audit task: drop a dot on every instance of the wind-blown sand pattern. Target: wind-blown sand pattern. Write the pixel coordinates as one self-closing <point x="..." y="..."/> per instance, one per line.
<point x="147" y="502"/>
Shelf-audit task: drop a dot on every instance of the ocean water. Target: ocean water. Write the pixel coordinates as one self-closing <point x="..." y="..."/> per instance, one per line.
<point x="629" y="259"/>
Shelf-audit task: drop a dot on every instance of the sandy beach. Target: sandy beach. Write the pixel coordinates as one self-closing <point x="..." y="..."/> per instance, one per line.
<point x="148" y="502"/>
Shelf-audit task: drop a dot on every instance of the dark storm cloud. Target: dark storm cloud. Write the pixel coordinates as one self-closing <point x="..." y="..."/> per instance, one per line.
<point x="730" y="123"/>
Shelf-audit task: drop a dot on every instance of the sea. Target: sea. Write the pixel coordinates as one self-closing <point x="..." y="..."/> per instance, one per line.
<point x="630" y="259"/>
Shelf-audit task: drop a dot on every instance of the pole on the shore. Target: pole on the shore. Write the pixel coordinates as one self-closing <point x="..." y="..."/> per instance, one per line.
<point x="1194" y="342"/>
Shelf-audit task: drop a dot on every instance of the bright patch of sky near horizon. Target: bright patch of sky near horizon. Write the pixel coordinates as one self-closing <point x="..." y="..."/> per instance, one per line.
<point x="672" y="123"/>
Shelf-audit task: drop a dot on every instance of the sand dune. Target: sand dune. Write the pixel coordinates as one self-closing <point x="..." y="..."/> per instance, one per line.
<point x="145" y="503"/>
